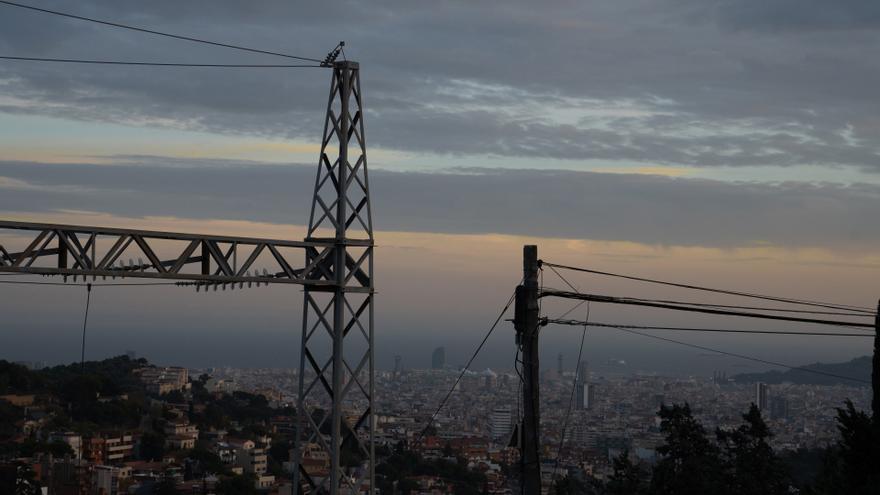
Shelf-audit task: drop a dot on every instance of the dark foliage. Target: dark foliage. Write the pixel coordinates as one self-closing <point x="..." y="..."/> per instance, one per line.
<point x="237" y="485"/>
<point x="691" y="463"/>
<point x="853" y="465"/>
<point x="750" y="464"/>
<point x="737" y="461"/>
<point x="627" y="478"/>
<point x="404" y="464"/>
<point x="152" y="446"/>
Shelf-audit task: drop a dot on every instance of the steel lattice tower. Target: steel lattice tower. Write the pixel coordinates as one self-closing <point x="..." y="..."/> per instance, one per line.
<point x="339" y="316"/>
<point x="335" y="406"/>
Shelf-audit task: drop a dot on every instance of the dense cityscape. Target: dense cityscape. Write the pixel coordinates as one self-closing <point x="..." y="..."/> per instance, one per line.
<point x="125" y="426"/>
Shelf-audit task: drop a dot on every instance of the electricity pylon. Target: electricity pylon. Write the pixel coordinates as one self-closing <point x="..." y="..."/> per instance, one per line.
<point x="335" y="404"/>
<point x="341" y="315"/>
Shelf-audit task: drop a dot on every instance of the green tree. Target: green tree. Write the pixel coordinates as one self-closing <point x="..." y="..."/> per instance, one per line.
<point x="627" y="478"/>
<point x="751" y="465"/>
<point x="237" y="485"/>
<point x="690" y="463"/>
<point x="852" y="466"/>
<point x="152" y="446"/>
<point x="569" y="486"/>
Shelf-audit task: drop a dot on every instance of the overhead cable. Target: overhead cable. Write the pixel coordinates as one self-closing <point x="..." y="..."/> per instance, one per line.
<point x="157" y="33"/>
<point x="802" y="302"/>
<point x="155" y="64"/>
<point x="82" y="361"/>
<point x="578" y="323"/>
<point x="571" y="396"/>
<point x="466" y="367"/>
<point x="677" y="307"/>
<point x="743" y="356"/>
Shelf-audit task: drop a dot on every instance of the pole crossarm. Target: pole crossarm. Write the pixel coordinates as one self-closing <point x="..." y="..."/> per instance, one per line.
<point x="76" y="250"/>
<point x="638" y="302"/>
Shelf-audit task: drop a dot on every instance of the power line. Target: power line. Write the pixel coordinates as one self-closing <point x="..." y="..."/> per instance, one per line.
<point x="649" y="303"/>
<point x="761" y="308"/>
<point x="711" y="305"/>
<point x="466" y="367"/>
<point x="803" y="302"/>
<point x="158" y="33"/>
<point x="77" y="284"/>
<point x="153" y="64"/>
<point x="82" y="361"/>
<point x="574" y="383"/>
<point x="707" y="330"/>
<point x="742" y="356"/>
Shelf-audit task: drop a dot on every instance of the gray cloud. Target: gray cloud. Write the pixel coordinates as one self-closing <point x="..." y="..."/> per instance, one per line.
<point x="641" y="208"/>
<point x="798" y="14"/>
<point x="705" y="84"/>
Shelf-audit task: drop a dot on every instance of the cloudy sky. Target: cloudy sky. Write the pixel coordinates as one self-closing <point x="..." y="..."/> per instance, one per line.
<point x="728" y="143"/>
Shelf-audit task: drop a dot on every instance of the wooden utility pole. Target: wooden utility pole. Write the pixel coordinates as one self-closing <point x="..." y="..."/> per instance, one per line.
<point x="526" y="323"/>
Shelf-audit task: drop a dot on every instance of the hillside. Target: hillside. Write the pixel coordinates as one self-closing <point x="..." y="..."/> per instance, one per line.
<point x="859" y="368"/>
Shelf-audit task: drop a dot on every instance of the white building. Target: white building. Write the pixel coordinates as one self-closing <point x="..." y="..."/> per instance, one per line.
<point x="501" y="423"/>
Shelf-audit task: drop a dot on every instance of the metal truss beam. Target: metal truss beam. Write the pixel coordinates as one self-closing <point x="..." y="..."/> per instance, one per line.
<point x="76" y="250"/>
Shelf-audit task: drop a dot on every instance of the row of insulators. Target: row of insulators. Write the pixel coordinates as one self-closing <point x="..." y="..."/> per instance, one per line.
<point x="331" y="57"/>
<point x="207" y="285"/>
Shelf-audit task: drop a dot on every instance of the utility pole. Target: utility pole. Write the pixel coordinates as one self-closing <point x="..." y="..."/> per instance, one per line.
<point x="526" y="322"/>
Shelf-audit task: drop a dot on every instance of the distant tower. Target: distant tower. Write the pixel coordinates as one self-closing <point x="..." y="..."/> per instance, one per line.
<point x="397" y="366"/>
<point x="762" y="396"/>
<point x="559" y="364"/>
<point x="584" y="372"/>
<point x="585" y="391"/>
<point x="438" y="358"/>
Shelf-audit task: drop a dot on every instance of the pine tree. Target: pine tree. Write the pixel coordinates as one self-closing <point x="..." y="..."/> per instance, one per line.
<point x="626" y="479"/>
<point x="750" y="464"/>
<point x="691" y="462"/>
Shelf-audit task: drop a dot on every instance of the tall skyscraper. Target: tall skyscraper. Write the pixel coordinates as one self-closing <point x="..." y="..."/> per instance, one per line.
<point x="584" y="372"/>
<point x="585" y="391"/>
<point x="559" y="364"/>
<point x="501" y="423"/>
<point x="762" y="396"/>
<point x="438" y="358"/>
<point x="398" y="368"/>
<point x="586" y="396"/>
